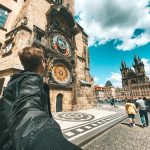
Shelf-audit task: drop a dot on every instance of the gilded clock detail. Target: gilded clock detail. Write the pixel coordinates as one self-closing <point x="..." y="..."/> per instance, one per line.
<point x="61" y="44"/>
<point x="61" y="73"/>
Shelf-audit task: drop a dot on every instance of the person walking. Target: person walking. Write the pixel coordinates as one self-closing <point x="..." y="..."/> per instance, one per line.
<point x="131" y="111"/>
<point x="112" y="102"/>
<point x="140" y="103"/>
<point x="26" y="119"/>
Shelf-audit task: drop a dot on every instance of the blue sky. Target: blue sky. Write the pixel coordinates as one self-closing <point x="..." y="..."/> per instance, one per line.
<point x="117" y="29"/>
<point x="106" y="60"/>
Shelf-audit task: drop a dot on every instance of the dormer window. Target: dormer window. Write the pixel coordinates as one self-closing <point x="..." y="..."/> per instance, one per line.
<point x="58" y="1"/>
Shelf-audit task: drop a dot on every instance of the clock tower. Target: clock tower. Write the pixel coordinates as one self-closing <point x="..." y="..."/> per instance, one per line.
<point x="49" y="25"/>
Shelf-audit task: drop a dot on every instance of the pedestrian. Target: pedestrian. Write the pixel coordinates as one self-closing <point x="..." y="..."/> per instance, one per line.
<point x="131" y="111"/>
<point x="113" y="102"/>
<point x="147" y="103"/>
<point x="26" y="119"/>
<point x="140" y="103"/>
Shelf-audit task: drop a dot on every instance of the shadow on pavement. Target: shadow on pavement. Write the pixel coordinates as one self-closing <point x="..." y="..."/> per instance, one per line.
<point x="139" y="125"/>
<point x="123" y="123"/>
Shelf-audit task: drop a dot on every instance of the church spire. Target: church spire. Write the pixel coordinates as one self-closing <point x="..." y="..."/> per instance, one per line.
<point x="136" y="59"/>
<point x="123" y="65"/>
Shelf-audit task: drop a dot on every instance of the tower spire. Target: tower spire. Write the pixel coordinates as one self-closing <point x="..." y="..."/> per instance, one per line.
<point x="123" y="65"/>
<point x="136" y="59"/>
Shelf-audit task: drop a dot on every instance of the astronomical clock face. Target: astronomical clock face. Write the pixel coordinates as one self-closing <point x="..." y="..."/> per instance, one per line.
<point x="60" y="43"/>
<point x="61" y="74"/>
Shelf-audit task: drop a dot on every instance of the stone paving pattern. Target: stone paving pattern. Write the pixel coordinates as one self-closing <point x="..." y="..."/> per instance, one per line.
<point x="122" y="137"/>
<point x="90" y="125"/>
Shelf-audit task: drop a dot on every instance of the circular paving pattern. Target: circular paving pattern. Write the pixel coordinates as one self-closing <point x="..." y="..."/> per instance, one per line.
<point x="73" y="116"/>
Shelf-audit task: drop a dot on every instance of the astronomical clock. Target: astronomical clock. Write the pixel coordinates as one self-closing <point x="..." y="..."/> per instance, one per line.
<point x="61" y="74"/>
<point x="61" y="55"/>
<point x="58" y="42"/>
<point x="59" y="45"/>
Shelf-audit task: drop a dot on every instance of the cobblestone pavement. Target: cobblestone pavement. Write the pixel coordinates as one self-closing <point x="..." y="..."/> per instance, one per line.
<point x="122" y="137"/>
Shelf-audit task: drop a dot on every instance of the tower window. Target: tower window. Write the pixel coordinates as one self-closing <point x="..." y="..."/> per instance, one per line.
<point x="58" y="1"/>
<point x="3" y="16"/>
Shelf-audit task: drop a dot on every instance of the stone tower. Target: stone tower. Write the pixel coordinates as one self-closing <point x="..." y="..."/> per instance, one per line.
<point x="134" y="75"/>
<point x="50" y="25"/>
<point x="139" y="69"/>
<point x="124" y="72"/>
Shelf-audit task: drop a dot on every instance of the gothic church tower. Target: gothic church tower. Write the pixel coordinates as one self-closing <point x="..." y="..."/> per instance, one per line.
<point x="134" y="75"/>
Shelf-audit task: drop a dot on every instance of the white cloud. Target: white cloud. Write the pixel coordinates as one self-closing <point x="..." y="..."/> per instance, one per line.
<point x="147" y="66"/>
<point x="105" y="20"/>
<point x="115" y="78"/>
<point x="96" y="80"/>
<point x="102" y="85"/>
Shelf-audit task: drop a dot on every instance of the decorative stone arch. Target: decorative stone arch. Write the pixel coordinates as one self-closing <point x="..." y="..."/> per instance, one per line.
<point x="59" y="102"/>
<point x="60" y="13"/>
<point x="64" y="12"/>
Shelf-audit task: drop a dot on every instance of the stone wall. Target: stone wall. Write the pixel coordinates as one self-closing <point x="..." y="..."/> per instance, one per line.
<point x="15" y="8"/>
<point x="66" y="100"/>
<point x="84" y="93"/>
<point x="80" y="61"/>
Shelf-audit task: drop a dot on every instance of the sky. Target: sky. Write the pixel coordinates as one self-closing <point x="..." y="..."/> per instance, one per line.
<point x="117" y="29"/>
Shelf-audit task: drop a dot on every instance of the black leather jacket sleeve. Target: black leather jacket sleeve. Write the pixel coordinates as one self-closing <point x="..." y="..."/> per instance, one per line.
<point x="31" y="126"/>
<point x="28" y="112"/>
<point x="30" y="95"/>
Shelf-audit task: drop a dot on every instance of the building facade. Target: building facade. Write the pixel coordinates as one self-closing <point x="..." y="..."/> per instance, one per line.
<point x="109" y="90"/>
<point x="50" y="25"/>
<point x="135" y="83"/>
<point x="119" y="92"/>
<point x="99" y="92"/>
